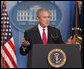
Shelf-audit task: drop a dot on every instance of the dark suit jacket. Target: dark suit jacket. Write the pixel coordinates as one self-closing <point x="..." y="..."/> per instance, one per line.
<point x="33" y="36"/>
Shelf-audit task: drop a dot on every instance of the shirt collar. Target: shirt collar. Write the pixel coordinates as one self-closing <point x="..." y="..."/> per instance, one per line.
<point x="39" y="26"/>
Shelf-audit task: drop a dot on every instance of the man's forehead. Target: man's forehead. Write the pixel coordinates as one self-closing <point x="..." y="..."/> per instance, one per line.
<point x="45" y="13"/>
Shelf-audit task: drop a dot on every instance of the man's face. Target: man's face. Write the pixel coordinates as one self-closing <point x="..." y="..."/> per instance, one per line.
<point x="44" y="19"/>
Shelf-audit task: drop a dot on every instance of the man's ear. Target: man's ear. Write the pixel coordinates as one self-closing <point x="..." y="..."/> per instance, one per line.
<point x="37" y="18"/>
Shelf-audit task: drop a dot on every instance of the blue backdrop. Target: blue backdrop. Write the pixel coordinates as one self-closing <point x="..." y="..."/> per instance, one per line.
<point x="67" y="8"/>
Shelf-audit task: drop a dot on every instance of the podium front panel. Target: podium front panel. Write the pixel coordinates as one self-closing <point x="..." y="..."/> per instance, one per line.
<point x="38" y="56"/>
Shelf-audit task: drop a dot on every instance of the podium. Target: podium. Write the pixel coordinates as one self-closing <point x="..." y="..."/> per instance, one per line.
<point x="41" y="56"/>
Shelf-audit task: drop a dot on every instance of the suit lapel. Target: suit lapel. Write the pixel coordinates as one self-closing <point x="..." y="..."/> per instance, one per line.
<point x="39" y="40"/>
<point x="49" y="35"/>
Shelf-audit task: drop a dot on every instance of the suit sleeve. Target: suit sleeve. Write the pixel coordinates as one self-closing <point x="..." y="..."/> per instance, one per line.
<point x="25" y="50"/>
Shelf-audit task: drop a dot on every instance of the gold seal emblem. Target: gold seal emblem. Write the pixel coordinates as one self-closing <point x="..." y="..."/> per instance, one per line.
<point x="56" y="58"/>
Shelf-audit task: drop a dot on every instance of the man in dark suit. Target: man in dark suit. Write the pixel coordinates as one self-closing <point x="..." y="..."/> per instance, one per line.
<point x="41" y="33"/>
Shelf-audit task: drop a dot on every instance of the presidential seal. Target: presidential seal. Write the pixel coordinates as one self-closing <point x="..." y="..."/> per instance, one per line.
<point x="56" y="58"/>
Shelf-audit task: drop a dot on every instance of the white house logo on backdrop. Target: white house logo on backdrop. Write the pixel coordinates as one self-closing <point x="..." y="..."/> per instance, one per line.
<point x="30" y="14"/>
<point x="23" y="14"/>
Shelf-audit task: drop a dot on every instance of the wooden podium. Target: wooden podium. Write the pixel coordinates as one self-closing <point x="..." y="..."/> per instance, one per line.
<point x="38" y="56"/>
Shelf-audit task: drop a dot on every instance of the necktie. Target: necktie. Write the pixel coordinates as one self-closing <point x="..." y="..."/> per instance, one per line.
<point x="44" y="37"/>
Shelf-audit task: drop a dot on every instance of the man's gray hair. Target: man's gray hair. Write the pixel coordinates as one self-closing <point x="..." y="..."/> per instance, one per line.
<point x="39" y="11"/>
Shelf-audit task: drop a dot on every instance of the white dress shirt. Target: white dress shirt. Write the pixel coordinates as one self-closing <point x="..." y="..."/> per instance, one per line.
<point x="41" y="31"/>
